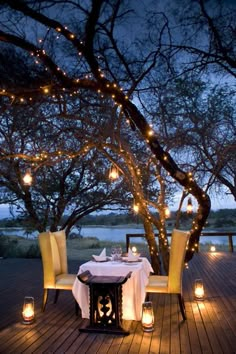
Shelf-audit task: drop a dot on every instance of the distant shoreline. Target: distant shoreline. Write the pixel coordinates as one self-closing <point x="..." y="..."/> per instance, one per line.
<point x="120" y="226"/>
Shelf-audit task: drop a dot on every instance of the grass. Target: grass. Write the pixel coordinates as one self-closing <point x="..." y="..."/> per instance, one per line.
<point x="77" y="248"/>
<point x="18" y="247"/>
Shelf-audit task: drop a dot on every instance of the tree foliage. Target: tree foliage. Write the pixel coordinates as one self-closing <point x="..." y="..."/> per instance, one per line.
<point x="86" y="47"/>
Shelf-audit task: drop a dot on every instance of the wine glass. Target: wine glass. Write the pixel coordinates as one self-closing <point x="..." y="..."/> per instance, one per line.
<point x="113" y="253"/>
<point x="119" y="252"/>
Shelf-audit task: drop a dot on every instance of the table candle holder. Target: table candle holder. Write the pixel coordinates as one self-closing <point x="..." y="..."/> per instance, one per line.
<point x="147" y="317"/>
<point x="28" y="310"/>
<point x="199" y="289"/>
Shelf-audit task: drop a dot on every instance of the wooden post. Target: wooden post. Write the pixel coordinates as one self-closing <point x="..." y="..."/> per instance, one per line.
<point x="231" y="246"/>
<point x="127" y="242"/>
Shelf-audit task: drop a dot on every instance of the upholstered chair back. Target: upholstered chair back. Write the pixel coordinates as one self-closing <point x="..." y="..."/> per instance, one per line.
<point x="179" y="240"/>
<point x="60" y="238"/>
<point x="54" y="257"/>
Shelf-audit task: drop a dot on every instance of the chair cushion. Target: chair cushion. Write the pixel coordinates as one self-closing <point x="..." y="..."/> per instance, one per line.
<point x="157" y="284"/>
<point x="65" y="281"/>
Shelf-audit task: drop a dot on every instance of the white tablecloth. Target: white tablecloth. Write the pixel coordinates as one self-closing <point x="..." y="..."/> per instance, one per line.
<point x="133" y="289"/>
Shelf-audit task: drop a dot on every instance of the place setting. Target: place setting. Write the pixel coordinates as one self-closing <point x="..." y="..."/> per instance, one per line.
<point x="102" y="257"/>
<point x="132" y="257"/>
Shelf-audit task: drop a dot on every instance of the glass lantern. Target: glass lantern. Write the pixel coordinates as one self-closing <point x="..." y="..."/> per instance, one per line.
<point x="27" y="179"/>
<point x="199" y="289"/>
<point x="113" y="173"/>
<point x="28" y="310"/>
<point x="147" y="317"/>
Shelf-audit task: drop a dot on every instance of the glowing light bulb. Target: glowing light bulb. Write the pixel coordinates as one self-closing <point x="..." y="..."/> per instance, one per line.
<point x="27" y="179"/>
<point x="189" y="206"/>
<point x="136" y="208"/>
<point x="113" y="173"/>
<point x="167" y="212"/>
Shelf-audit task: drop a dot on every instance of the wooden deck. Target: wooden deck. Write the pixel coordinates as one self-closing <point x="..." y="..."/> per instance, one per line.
<point x="210" y="328"/>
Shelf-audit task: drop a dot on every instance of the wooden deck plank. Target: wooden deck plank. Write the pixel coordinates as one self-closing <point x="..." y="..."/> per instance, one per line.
<point x="165" y="334"/>
<point x="36" y="339"/>
<point x="211" y="278"/>
<point x="224" y="297"/>
<point x="106" y="345"/>
<point x="121" y="344"/>
<point x="210" y="325"/>
<point x="174" y="325"/>
<point x="136" y="338"/>
<point x="158" y="318"/>
<point x="73" y="333"/>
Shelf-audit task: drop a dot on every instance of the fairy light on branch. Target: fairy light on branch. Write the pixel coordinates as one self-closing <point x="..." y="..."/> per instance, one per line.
<point x="167" y="212"/>
<point x="136" y="207"/>
<point x="150" y="132"/>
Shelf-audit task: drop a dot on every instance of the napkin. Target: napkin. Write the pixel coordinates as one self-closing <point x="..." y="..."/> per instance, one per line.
<point x="102" y="256"/>
<point x="132" y="257"/>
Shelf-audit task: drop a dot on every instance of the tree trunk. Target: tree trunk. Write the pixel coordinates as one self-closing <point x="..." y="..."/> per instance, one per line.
<point x="152" y="246"/>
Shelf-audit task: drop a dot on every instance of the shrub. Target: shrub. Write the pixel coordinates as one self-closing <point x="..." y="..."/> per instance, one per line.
<point x="8" y="247"/>
<point x="11" y="248"/>
<point x="32" y="252"/>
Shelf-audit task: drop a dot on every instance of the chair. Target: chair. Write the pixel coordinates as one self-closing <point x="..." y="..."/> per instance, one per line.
<point x="54" y="260"/>
<point x="172" y="284"/>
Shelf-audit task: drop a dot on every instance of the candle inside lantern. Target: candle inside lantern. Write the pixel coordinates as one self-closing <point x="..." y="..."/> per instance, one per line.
<point x="134" y="250"/>
<point x="28" y="310"/>
<point x="147" y="317"/>
<point x="199" y="289"/>
<point x="213" y="249"/>
<point x="113" y="173"/>
<point x="27" y="179"/>
<point x="189" y="206"/>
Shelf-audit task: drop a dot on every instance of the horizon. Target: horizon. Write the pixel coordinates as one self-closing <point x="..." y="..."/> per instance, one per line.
<point x="219" y="203"/>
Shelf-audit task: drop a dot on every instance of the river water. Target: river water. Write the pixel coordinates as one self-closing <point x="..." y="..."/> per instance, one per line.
<point x="113" y="234"/>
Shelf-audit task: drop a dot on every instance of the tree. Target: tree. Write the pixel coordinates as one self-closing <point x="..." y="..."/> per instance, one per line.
<point x="99" y="61"/>
<point x="62" y="162"/>
<point x="203" y="40"/>
<point x="199" y="122"/>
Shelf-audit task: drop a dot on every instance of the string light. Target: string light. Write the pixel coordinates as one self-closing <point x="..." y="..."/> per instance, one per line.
<point x="46" y="90"/>
<point x="167" y="211"/>
<point x="136" y="208"/>
<point x="113" y="174"/>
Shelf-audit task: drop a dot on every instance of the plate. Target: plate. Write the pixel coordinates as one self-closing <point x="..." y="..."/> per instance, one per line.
<point x="125" y="259"/>
<point x="104" y="260"/>
<point x="132" y="262"/>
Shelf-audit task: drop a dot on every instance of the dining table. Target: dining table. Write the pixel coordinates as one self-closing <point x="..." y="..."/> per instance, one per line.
<point x="133" y="291"/>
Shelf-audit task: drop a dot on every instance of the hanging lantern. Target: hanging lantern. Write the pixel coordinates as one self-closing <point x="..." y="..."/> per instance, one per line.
<point x="147" y="317"/>
<point x="189" y="206"/>
<point x="199" y="289"/>
<point x="27" y="179"/>
<point x="28" y="310"/>
<point x="167" y="211"/>
<point x="113" y="173"/>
